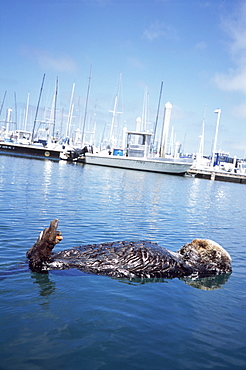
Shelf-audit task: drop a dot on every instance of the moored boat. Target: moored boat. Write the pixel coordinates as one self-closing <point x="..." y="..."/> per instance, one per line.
<point x="31" y="151"/>
<point x="20" y="144"/>
<point x="136" y="156"/>
<point x="150" y="164"/>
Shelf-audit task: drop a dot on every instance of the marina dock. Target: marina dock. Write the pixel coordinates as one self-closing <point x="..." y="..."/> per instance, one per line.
<point x="218" y="175"/>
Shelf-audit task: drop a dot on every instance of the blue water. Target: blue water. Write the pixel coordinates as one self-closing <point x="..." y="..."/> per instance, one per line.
<point x="73" y="321"/>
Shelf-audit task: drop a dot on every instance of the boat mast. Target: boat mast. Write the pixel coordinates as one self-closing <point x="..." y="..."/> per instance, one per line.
<point x="218" y="111"/>
<point x="15" y="110"/>
<point x="3" y="102"/>
<point x="94" y="125"/>
<point x="157" y="115"/>
<point x="36" y="114"/>
<point x="165" y="130"/>
<point x="145" y="111"/>
<point x="70" y="113"/>
<point x="201" y="147"/>
<point x="55" y="101"/>
<point x="7" y="120"/>
<point x="86" y="104"/>
<point x="52" y="118"/>
<point x="26" y="111"/>
<point x="114" y="111"/>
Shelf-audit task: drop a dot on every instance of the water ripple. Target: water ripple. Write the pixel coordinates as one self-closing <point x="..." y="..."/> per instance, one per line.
<point x="67" y="317"/>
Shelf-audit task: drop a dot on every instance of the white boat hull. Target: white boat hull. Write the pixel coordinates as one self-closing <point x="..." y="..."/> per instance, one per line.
<point x="141" y="164"/>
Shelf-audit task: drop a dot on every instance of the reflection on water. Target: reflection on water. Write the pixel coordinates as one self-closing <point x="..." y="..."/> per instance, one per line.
<point x="106" y="323"/>
<point x="47" y="173"/>
<point x="208" y="283"/>
<point x="47" y="287"/>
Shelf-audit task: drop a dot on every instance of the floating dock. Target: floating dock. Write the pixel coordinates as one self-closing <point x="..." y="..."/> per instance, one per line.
<point x="218" y="175"/>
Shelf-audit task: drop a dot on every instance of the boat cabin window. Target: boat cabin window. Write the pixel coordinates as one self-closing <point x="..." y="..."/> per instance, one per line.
<point x="140" y="139"/>
<point x="23" y="135"/>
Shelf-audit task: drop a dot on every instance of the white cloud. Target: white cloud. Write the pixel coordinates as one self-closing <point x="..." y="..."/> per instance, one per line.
<point x="235" y="27"/>
<point x="200" y="46"/>
<point x="158" y="30"/>
<point x="60" y="64"/>
<point x="135" y="63"/>
<point x="233" y="81"/>
<point x="48" y="61"/>
<point x="239" y="111"/>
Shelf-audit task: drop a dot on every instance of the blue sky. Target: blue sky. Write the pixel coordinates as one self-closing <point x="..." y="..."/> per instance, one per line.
<point x="196" y="47"/>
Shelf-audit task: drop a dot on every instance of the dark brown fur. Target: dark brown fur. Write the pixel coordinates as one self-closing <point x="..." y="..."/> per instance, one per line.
<point x="41" y="251"/>
<point x="125" y="259"/>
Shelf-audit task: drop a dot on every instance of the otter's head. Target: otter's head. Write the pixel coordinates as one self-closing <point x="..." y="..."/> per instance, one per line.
<point x="41" y="251"/>
<point x="206" y="257"/>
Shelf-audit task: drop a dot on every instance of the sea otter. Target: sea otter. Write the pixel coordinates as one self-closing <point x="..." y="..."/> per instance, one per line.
<point x="141" y="259"/>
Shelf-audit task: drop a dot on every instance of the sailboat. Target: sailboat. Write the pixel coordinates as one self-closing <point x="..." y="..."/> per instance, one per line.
<point x="137" y="153"/>
<point x="21" y="142"/>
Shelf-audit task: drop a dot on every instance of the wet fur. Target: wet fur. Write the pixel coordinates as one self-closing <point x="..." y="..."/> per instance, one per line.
<point x="207" y="256"/>
<point x="41" y="251"/>
<point x="142" y="259"/>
